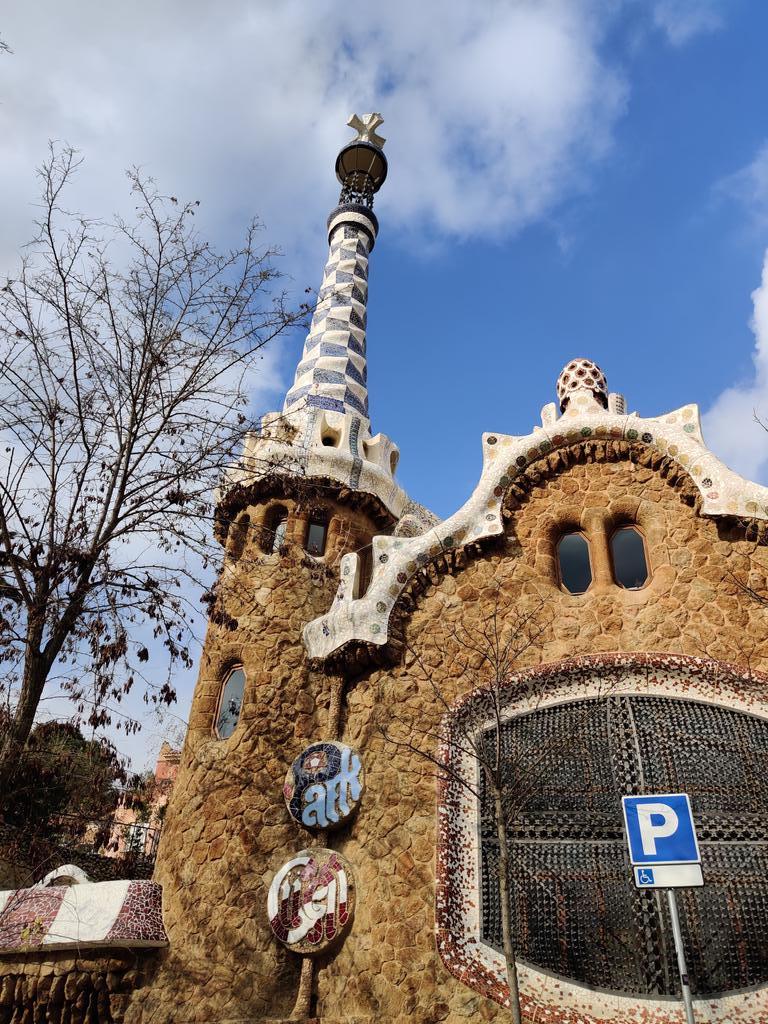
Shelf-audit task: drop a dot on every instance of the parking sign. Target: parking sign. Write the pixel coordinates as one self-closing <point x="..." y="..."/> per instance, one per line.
<point x="660" y="829"/>
<point x="664" y="853"/>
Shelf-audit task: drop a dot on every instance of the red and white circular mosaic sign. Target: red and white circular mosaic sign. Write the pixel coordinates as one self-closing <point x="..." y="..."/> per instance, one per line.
<point x="311" y="900"/>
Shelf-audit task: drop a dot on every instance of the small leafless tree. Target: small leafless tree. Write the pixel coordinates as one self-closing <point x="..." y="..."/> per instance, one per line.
<point x="126" y="355"/>
<point x="490" y="656"/>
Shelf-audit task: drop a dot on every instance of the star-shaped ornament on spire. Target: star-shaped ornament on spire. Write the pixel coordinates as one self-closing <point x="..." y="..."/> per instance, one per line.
<point x="365" y="127"/>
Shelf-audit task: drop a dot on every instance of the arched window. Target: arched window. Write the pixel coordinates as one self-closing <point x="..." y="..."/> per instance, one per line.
<point x="275" y="526"/>
<point x="573" y="563"/>
<point x="630" y="565"/>
<point x="575" y="910"/>
<point x="230" y="703"/>
<point x="238" y="536"/>
<point x="317" y="535"/>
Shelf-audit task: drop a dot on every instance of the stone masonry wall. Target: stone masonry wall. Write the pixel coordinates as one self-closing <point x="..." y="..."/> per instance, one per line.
<point x="228" y="830"/>
<point x="388" y="968"/>
<point x="60" y="989"/>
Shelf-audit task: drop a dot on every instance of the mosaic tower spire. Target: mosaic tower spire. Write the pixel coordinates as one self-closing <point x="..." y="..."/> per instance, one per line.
<point x="332" y="374"/>
<point x="324" y="429"/>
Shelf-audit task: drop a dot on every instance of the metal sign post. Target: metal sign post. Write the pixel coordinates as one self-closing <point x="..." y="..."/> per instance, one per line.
<point x="687" y="1001"/>
<point x="664" y="854"/>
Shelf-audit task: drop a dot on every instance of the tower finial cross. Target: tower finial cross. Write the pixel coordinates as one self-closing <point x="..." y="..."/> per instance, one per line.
<point x="365" y="127"/>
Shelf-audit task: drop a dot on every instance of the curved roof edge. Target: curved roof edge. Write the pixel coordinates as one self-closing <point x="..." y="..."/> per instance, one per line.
<point x="675" y="435"/>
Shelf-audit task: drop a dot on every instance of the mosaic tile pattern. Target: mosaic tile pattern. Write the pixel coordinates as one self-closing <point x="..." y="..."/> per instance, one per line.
<point x="311" y="900"/>
<point x="458" y="895"/>
<point x="324" y="430"/>
<point x="140" y="918"/>
<point x="122" y="913"/>
<point x="324" y="785"/>
<point x="676" y="435"/>
<point x="333" y="372"/>
<point x="582" y="375"/>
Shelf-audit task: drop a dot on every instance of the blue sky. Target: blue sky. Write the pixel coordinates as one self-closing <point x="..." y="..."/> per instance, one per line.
<point x="567" y="178"/>
<point x="648" y="269"/>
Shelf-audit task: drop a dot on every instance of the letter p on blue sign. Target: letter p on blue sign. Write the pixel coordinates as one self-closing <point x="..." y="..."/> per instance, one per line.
<point x="660" y="829"/>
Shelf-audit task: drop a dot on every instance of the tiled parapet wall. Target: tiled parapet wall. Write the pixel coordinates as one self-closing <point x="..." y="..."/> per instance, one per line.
<point x="122" y="914"/>
<point x="316" y="445"/>
<point x="459" y="897"/>
<point x="675" y="436"/>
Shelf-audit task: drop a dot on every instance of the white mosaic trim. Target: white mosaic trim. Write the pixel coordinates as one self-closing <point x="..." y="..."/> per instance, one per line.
<point x="677" y="435"/>
<point x="357" y="460"/>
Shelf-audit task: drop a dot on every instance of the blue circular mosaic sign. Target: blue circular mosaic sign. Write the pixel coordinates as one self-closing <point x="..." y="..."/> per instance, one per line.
<point x="323" y="786"/>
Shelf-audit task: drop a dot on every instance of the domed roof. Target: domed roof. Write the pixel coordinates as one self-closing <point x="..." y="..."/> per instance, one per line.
<point x="582" y="375"/>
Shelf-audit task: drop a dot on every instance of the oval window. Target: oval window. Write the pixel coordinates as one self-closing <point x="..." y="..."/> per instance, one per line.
<point x="630" y="566"/>
<point x="231" y="703"/>
<point x="573" y="563"/>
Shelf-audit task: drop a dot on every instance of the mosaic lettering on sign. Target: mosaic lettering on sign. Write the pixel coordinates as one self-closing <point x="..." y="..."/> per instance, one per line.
<point x="311" y="900"/>
<point x="323" y="786"/>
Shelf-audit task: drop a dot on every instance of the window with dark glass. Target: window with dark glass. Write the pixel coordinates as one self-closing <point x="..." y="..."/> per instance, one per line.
<point x="575" y="909"/>
<point x="630" y="566"/>
<point x="317" y="535"/>
<point x="573" y="563"/>
<point x="230" y="704"/>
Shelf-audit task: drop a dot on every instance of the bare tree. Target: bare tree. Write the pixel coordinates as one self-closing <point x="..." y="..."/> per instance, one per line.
<point x="126" y="353"/>
<point x="490" y="654"/>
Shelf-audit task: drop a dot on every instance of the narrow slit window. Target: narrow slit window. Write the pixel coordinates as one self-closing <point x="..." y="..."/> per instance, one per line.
<point x="366" y="570"/>
<point x="630" y="564"/>
<point x="573" y="563"/>
<point x="317" y="535"/>
<point x="231" y="703"/>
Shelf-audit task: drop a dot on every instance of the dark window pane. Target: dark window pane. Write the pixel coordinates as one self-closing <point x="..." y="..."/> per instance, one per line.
<point x="279" y="536"/>
<point x="316" y="535"/>
<point x="231" y="702"/>
<point x="573" y="558"/>
<point x="628" y="553"/>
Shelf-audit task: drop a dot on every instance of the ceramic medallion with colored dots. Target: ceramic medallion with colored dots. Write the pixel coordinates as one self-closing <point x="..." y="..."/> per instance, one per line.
<point x="324" y="785"/>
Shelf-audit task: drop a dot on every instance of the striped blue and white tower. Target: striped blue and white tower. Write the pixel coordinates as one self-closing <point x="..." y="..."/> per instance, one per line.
<point x="324" y="429"/>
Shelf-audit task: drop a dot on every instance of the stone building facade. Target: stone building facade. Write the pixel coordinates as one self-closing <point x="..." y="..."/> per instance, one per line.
<point x="623" y="566"/>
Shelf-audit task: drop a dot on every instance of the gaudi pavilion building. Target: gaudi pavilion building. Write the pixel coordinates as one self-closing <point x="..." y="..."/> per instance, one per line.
<point x="311" y="866"/>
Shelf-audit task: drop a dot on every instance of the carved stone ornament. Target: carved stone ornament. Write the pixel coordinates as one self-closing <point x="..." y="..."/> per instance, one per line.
<point x="323" y="786"/>
<point x="311" y="900"/>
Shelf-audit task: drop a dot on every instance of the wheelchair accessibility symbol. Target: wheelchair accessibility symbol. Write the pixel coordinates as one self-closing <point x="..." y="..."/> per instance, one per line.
<point x="645" y="876"/>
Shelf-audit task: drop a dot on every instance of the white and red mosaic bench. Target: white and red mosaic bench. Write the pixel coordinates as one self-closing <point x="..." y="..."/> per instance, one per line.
<point x="65" y="910"/>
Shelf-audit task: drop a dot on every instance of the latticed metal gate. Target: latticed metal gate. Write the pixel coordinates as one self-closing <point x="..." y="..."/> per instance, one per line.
<point x="576" y="911"/>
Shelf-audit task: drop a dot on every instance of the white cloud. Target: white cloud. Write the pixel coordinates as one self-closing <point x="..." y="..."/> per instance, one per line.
<point x="494" y="111"/>
<point x="750" y="187"/>
<point x="730" y="426"/>
<point x="681" y="20"/>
